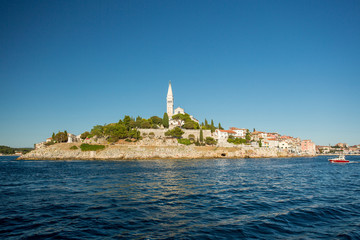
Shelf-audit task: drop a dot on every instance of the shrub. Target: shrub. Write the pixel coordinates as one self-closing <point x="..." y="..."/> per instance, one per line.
<point x="192" y="137"/>
<point x="84" y="135"/>
<point x="176" y="133"/>
<point x="89" y="147"/>
<point x="113" y="139"/>
<point x="184" y="141"/>
<point x="151" y="135"/>
<point x="74" y="147"/>
<point x="236" y="140"/>
<point x="210" y="141"/>
<point x="128" y="140"/>
<point x="50" y="143"/>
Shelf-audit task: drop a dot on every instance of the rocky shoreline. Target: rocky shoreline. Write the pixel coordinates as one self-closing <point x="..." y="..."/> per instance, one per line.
<point x="62" y="151"/>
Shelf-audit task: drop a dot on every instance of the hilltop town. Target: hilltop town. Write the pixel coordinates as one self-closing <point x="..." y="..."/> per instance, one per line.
<point x="178" y="133"/>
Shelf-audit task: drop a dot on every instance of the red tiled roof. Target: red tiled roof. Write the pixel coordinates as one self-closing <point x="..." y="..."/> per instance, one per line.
<point x="228" y="131"/>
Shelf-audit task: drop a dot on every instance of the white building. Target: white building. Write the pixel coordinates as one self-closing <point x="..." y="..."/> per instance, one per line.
<point x="71" y="138"/>
<point x="283" y="145"/>
<point x="273" y="143"/>
<point x="223" y="134"/>
<point x="179" y="110"/>
<point x="239" y="132"/>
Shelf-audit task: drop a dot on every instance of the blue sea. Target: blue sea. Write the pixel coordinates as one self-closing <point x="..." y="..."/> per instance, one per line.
<point x="278" y="198"/>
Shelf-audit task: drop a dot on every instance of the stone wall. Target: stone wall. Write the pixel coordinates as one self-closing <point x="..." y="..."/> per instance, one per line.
<point x="160" y="133"/>
<point x="132" y="151"/>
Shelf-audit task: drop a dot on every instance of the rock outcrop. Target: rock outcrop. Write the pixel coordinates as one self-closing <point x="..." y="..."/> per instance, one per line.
<point x="155" y="150"/>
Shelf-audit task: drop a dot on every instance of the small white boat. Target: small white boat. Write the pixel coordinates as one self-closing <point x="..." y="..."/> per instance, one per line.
<point x="339" y="159"/>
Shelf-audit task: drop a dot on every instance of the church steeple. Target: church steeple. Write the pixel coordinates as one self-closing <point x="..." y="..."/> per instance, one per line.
<point x="170" y="101"/>
<point x="169" y="90"/>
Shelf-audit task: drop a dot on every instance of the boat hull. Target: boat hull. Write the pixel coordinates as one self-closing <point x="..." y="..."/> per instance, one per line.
<point x="338" y="161"/>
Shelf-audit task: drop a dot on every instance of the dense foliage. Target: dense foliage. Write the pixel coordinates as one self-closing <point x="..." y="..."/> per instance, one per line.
<point x="188" y="122"/>
<point x="211" y="126"/>
<point x="233" y="140"/>
<point x="7" y="150"/>
<point x="84" y="135"/>
<point x="89" y="147"/>
<point x="184" y="141"/>
<point x="176" y="133"/>
<point x="10" y="150"/>
<point x="60" y="137"/>
<point x="74" y="147"/>
<point x="210" y="141"/>
<point x="124" y="129"/>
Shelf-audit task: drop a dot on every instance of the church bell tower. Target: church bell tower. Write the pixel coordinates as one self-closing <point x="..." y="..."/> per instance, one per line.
<point x="170" y="101"/>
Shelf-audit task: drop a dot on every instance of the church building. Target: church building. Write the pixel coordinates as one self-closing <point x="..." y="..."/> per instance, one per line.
<point x="170" y="109"/>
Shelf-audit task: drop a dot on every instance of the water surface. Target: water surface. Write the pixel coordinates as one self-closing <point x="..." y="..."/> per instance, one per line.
<point x="300" y="198"/>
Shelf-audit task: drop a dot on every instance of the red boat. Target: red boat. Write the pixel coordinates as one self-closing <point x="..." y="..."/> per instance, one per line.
<point x="339" y="159"/>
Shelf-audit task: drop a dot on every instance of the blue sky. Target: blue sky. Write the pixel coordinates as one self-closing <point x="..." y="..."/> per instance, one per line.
<point x="287" y="66"/>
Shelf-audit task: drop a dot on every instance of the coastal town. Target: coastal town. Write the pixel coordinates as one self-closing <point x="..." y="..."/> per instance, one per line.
<point x="178" y="128"/>
<point x="160" y="132"/>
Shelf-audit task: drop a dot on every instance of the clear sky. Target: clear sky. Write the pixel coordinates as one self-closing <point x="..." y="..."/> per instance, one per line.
<point x="291" y="67"/>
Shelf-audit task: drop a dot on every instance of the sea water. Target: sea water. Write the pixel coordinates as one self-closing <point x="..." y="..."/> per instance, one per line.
<point x="287" y="198"/>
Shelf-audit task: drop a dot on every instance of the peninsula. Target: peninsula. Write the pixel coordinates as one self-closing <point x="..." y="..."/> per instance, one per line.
<point x="176" y="135"/>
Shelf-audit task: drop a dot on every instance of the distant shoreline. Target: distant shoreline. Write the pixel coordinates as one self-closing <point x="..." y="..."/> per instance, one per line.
<point x="334" y="154"/>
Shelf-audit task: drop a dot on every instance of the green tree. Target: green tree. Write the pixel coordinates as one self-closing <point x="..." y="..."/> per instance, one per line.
<point x="206" y="124"/>
<point x="83" y="135"/>
<point x="156" y="120"/>
<point x="133" y="133"/>
<point x="53" y="136"/>
<point x="98" y="131"/>
<point x="220" y="127"/>
<point x="201" y="135"/>
<point x="165" y="120"/>
<point x="126" y="121"/>
<point x="138" y="122"/>
<point x="115" y="131"/>
<point x="212" y="127"/>
<point x="176" y="133"/>
<point x="61" y="137"/>
<point x="192" y="138"/>
<point x="210" y="141"/>
<point x="248" y="135"/>
<point x="145" y="123"/>
<point x="260" y="143"/>
<point x="189" y="125"/>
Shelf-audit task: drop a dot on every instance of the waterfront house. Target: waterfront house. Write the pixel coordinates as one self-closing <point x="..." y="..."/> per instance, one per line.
<point x="283" y="145"/>
<point x="239" y="132"/>
<point x="307" y="146"/>
<point x="223" y="134"/>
